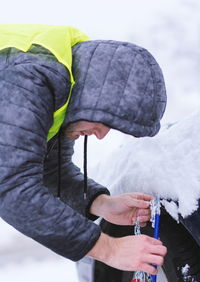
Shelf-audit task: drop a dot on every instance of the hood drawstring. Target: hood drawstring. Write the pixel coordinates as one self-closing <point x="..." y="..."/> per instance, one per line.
<point x="59" y="166"/>
<point x="85" y="168"/>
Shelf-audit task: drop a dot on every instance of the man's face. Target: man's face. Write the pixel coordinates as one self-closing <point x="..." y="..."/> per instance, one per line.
<point x="81" y="128"/>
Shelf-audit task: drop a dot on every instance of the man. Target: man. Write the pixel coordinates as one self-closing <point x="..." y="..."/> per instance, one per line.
<point x="117" y="85"/>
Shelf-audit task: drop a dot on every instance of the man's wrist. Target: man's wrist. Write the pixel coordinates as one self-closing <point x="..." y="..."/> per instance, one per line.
<point x="103" y="249"/>
<point x="97" y="206"/>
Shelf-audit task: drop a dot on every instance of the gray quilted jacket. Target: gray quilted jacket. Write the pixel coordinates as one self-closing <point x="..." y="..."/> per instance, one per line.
<point x="118" y="84"/>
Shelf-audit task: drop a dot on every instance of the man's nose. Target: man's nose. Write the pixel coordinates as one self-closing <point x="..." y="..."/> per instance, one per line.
<point x="100" y="135"/>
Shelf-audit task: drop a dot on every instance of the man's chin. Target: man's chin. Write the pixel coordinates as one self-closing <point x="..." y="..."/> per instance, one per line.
<point x="70" y="137"/>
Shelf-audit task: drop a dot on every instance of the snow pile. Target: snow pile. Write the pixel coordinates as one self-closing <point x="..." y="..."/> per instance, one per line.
<point x="40" y="271"/>
<point x="186" y="277"/>
<point x="185" y="269"/>
<point x="167" y="164"/>
<point x="8" y="234"/>
<point x="22" y="259"/>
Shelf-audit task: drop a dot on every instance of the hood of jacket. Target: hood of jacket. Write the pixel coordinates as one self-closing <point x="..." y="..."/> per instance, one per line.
<point x="118" y="84"/>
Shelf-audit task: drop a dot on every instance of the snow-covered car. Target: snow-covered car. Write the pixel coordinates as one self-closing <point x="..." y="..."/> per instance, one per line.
<point x="169" y="165"/>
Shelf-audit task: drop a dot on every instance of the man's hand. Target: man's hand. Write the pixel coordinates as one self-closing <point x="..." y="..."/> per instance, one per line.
<point x="130" y="253"/>
<point x="124" y="209"/>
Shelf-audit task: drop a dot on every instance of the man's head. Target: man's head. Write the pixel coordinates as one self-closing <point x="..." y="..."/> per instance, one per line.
<point x="117" y="84"/>
<point x="81" y="128"/>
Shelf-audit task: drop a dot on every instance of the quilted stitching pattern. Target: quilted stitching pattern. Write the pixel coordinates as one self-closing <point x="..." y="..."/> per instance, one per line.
<point x="118" y="84"/>
<point x="32" y="86"/>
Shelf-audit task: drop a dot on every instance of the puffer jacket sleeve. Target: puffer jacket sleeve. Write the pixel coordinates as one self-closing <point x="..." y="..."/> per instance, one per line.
<point x="26" y="110"/>
<point x="71" y="178"/>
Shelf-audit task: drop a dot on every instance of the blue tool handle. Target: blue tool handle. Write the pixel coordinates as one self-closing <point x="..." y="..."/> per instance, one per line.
<point x="157" y="226"/>
<point x="156" y="236"/>
<point x="154" y="278"/>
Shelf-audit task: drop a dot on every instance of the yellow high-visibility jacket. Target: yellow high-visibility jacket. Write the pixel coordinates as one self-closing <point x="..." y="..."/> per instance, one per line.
<point x="57" y="39"/>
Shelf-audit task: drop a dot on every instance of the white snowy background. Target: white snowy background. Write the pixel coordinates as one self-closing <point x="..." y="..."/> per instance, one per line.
<point x="170" y="30"/>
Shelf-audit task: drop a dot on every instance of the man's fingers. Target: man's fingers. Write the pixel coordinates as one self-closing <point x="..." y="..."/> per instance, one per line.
<point x="143" y="224"/>
<point x="142" y="212"/>
<point x="138" y="200"/>
<point x="140" y="253"/>
<point x="158" y="250"/>
<point x="141" y="196"/>
<point x="155" y="259"/>
<point x="149" y="269"/>
<point x="143" y="215"/>
<point x="142" y="219"/>
<point x="140" y="204"/>
<point x="153" y="241"/>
